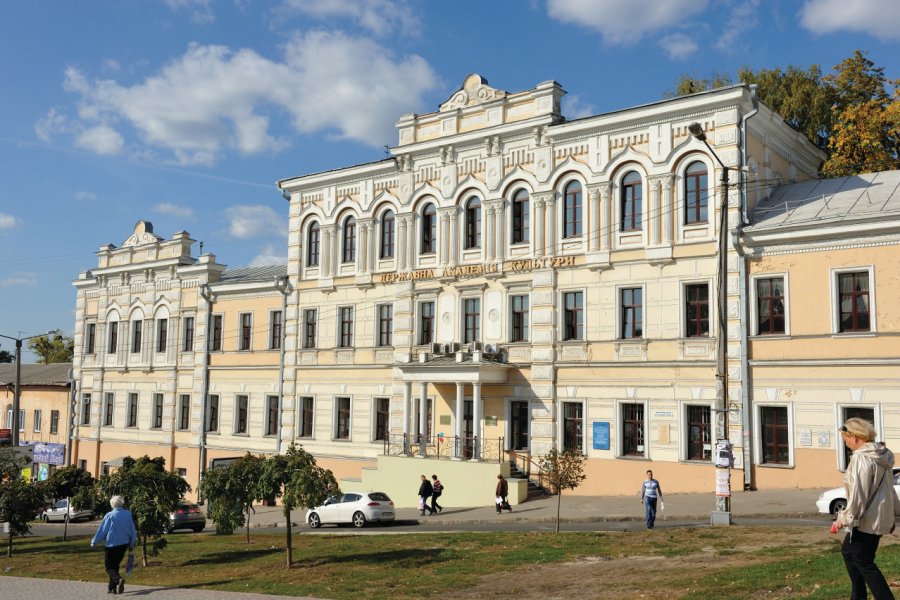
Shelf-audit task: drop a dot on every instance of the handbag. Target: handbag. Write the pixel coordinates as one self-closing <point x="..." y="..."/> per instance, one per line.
<point x="421" y="503"/>
<point x="129" y="564"/>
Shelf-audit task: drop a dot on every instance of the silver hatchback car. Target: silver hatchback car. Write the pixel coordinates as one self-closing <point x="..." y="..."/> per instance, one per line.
<point x="57" y="513"/>
<point x="358" y="508"/>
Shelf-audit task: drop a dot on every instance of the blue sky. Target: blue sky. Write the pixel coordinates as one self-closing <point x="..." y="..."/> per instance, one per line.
<point x="186" y="112"/>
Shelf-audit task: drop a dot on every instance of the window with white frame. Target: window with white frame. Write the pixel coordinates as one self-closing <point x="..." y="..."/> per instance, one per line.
<point x="157" y="411"/>
<point x="54" y="421"/>
<point x="698" y="442"/>
<point x="770" y="305"/>
<point x="385" y="324"/>
<point x="521" y="216"/>
<point x="113" y="337"/>
<point x="472" y="223"/>
<point x="212" y="413"/>
<point x="388" y="222"/>
<point x="241" y="413"/>
<point x="37" y="421"/>
<point x="246" y="331"/>
<point x="342" y="418"/>
<point x="696" y="310"/>
<point x="631" y="312"/>
<point x="573" y="316"/>
<point x="309" y="328"/>
<point x="633" y="429"/>
<point x="774" y="433"/>
<point x="162" y="334"/>
<point x="108" y="408"/>
<point x="271" y="416"/>
<point x="428" y="229"/>
<point x="382" y="418"/>
<point x="215" y="339"/>
<point x="572" y="210"/>
<point x="518" y="318"/>
<point x="131" y="421"/>
<point x="91" y="338"/>
<point x="853" y="297"/>
<point x="85" y="410"/>
<point x="348" y="247"/>
<point x="187" y="340"/>
<point x="137" y="328"/>
<point x="312" y="245"/>
<point x="345" y="331"/>
<point x="573" y="426"/>
<point x="631" y="197"/>
<point x="426" y="323"/>
<point x="471" y="320"/>
<point x="696" y="194"/>
<point x="306" y="417"/>
<point x="275" y="329"/>
<point x="184" y="412"/>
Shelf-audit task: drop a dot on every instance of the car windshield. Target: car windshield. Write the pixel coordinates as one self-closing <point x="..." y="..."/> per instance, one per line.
<point x="379" y="497"/>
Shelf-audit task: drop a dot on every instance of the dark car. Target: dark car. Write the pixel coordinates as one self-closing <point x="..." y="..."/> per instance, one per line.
<point x="186" y="515"/>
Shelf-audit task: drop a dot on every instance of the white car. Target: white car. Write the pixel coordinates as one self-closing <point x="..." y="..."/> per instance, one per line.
<point x="57" y="513"/>
<point x="834" y="501"/>
<point x="356" y="508"/>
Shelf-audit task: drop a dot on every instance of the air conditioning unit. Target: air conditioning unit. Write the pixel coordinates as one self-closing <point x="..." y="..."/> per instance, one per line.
<point x="436" y="348"/>
<point x="492" y="348"/>
<point x="447" y="349"/>
<point x="474" y="346"/>
<point x="456" y="347"/>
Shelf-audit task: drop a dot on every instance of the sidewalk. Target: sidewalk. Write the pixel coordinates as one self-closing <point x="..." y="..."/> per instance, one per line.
<point x="763" y="503"/>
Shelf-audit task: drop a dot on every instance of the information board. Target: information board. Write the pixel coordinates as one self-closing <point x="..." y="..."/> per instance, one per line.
<point x="601" y="435"/>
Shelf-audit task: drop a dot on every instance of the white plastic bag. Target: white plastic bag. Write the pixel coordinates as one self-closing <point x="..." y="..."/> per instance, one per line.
<point x="662" y="506"/>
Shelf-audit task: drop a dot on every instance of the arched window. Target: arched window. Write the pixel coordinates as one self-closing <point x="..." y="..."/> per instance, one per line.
<point x="473" y="223"/>
<point x="631" y="202"/>
<point x="387" y="235"/>
<point x="429" y="229"/>
<point x="520" y="217"/>
<point x="349" y="253"/>
<point x="696" y="194"/>
<point x="572" y="210"/>
<point x="312" y="245"/>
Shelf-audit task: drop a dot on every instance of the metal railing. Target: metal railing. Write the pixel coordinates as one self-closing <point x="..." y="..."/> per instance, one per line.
<point x="531" y="468"/>
<point x="441" y="446"/>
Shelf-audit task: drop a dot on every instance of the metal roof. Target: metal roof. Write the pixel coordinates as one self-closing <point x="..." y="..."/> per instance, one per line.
<point x="247" y="274"/>
<point x="839" y="200"/>
<point x="35" y="374"/>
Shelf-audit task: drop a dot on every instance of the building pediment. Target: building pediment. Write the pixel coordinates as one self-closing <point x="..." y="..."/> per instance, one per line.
<point x="474" y="90"/>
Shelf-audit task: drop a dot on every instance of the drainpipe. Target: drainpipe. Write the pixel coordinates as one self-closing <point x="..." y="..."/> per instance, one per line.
<point x="746" y="400"/>
<point x="207" y="295"/>
<point x="283" y="285"/>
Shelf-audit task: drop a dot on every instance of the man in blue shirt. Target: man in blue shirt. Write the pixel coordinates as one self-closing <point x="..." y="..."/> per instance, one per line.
<point x="117" y="534"/>
<point x="650" y="493"/>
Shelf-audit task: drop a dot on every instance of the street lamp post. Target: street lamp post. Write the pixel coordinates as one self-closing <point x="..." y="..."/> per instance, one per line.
<point x="722" y="514"/>
<point x="16" y="392"/>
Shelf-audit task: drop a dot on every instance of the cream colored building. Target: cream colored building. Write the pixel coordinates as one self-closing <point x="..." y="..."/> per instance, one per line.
<point x="824" y="299"/>
<point x="532" y="282"/>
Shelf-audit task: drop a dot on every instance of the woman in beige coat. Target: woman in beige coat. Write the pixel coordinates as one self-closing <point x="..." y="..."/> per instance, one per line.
<point x="872" y="507"/>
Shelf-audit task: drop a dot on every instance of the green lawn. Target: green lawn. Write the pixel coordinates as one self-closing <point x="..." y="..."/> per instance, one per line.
<point x="735" y="562"/>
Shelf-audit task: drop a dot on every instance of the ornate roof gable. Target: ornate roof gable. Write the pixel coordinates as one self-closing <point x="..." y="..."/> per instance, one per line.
<point x="475" y="90"/>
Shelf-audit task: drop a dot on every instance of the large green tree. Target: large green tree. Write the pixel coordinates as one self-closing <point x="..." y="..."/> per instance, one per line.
<point x="20" y="500"/>
<point x="67" y="482"/>
<point x="231" y="492"/>
<point x="52" y="349"/>
<point x="299" y="482"/>
<point x="151" y="494"/>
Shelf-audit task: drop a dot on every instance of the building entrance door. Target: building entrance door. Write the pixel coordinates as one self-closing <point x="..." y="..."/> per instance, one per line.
<point x="518" y="425"/>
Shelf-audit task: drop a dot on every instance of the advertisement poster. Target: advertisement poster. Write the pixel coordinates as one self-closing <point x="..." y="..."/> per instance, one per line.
<point x="723" y="482"/>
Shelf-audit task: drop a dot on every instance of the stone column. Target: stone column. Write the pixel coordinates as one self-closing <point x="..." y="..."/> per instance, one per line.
<point x="606" y="222"/>
<point x="458" y="417"/>
<point x="594" y="230"/>
<point x="476" y="418"/>
<point x="487" y="238"/>
<point x="653" y="219"/>
<point x="454" y="238"/>
<point x="445" y="240"/>
<point x="402" y="243"/>
<point x="372" y="247"/>
<point x="539" y="226"/>
<point x="551" y="235"/>
<point x="500" y="227"/>
<point x="362" y="247"/>
<point x="423" y="411"/>
<point x="668" y="210"/>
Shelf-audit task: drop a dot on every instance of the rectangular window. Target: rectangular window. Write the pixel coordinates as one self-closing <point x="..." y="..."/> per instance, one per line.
<point x="573" y="426"/>
<point x="306" y="417"/>
<point x="184" y="412"/>
<point x="385" y="324"/>
<point x="275" y="330"/>
<point x="212" y="413"/>
<point x="216" y="338"/>
<point x="699" y="438"/>
<point x="382" y="410"/>
<point x="770" y="305"/>
<point x="520" y="217"/>
<point x="132" y="410"/>
<point x="426" y="323"/>
<point x="157" y="411"/>
<point x="241" y="409"/>
<point x="853" y="290"/>
<point x="113" y="337"/>
<point x="182" y="472"/>
<point x="85" y="410"/>
<point x="91" y="338"/>
<point x="54" y="421"/>
<point x="162" y="334"/>
<point x="137" y="328"/>
<point x="632" y="303"/>
<point x="342" y="420"/>
<point x="518" y="318"/>
<point x="187" y="342"/>
<point x="37" y="421"/>
<point x="573" y="316"/>
<point x="309" y="328"/>
<point x="774" y="424"/>
<point x="246" y="330"/>
<point x="108" y="407"/>
<point x="633" y="430"/>
<point x="271" y="415"/>
<point x="696" y="310"/>
<point x="472" y="323"/>
<point x="519" y="420"/>
<point x="82" y="464"/>
<point x="346" y="315"/>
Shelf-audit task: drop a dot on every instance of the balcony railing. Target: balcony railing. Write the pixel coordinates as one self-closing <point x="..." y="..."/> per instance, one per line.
<point x="441" y="446"/>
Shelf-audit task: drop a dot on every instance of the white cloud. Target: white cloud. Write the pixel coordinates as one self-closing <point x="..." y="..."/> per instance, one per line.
<point x="248" y="222"/>
<point x="88" y="196"/>
<point x="101" y="139"/>
<point x="269" y="255"/>
<point x="213" y="99"/>
<point x="743" y="18"/>
<point x="167" y="208"/>
<point x="880" y="18"/>
<point x="20" y="280"/>
<point x="381" y="17"/>
<point x="678" y="46"/>
<point x="7" y="221"/>
<point x="50" y="125"/>
<point x="574" y="107"/>
<point x="201" y="11"/>
<point x="623" y="22"/>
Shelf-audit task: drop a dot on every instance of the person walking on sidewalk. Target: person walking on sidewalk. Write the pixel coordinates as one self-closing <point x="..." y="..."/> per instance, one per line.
<point x="651" y="492"/>
<point x="872" y="508"/>
<point x="425" y="492"/>
<point x="502" y="492"/>
<point x="117" y="534"/>
<point x="437" y="489"/>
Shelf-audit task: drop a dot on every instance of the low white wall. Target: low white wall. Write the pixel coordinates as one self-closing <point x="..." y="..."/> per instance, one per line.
<point x="466" y="483"/>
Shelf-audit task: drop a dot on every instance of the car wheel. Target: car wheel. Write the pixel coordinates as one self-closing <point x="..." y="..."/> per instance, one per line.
<point x="167" y="528"/>
<point x="198" y="529"/>
<point x="314" y="520"/>
<point x="359" y="519"/>
<point x="837" y="506"/>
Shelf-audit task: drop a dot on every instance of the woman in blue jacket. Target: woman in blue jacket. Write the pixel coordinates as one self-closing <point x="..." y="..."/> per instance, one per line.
<point x="117" y="534"/>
